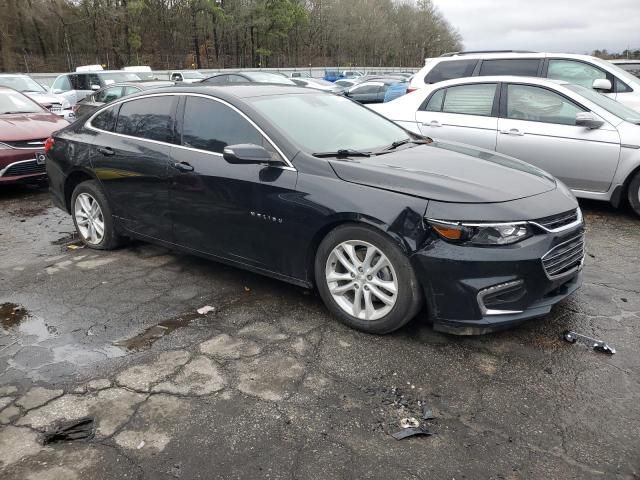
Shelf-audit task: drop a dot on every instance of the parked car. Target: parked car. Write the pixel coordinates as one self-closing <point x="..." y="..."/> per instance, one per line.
<point x="586" y="139"/>
<point x="581" y="70"/>
<point x="142" y="71"/>
<point x="244" y="77"/>
<point x="116" y="91"/>
<point x="631" y="66"/>
<point x="395" y="90"/>
<point x="331" y="75"/>
<point x="351" y="74"/>
<point x="186" y="76"/>
<point x="300" y="75"/>
<point x="56" y="104"/>
<point x="346" y="83"/>
<point x="372" y="91"/>
<point x="318" y="84"/>
<point x="316" y="190"/>
<point x="75" y="86"/>
<point x="24" y="127"/>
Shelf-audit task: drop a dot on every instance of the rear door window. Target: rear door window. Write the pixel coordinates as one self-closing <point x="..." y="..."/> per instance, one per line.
<point x="435" y="102"/>
<point x="149" y="118"/>
<point x="527" y="67"/>
<point x="470" y="99"/>
<point x="447" y="70"/>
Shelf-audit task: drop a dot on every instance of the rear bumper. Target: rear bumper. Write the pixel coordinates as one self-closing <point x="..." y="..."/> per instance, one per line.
<point x="474" y="290"/>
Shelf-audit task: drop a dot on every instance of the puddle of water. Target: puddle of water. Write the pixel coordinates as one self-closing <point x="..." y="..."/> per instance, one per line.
<point x="144" y="340"/>
<point x="15" y="317"/>
<point x="12" y="314"/>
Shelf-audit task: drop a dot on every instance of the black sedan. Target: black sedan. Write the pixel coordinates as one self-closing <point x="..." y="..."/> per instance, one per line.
<point x="247" y="77"/>
<point x="115" y="91"/>
<point x="316" y="190"/>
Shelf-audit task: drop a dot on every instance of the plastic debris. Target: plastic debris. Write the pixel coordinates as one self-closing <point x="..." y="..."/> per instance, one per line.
<point x="206" y="309"/>
<point x="597" y="345"/>
<point x="73" y="246"/>
<point x="140" y="445"/>
<point x="409" y="422"/>
<point x="427" y="413"/>
<point x="412" y="432"/>
<point x="80" y="429"/>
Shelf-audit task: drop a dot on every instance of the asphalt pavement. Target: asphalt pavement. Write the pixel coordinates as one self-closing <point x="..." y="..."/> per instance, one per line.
<point x="266" y="384"/>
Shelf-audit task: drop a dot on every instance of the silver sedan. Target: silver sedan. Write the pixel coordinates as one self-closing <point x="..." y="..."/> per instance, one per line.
<point x="587" y="140"/>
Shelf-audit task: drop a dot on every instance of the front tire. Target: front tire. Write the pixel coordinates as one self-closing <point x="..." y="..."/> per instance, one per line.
<point x="365" y="280"/>
<point x="92" y="217"/>
<point x="633" y="193"/>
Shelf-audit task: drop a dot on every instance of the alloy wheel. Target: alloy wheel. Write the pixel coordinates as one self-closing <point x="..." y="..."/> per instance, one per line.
<point x="89" y="218"/>
<point x="361" y="280"/>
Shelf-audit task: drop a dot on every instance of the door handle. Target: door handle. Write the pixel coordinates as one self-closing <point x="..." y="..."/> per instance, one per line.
<point x="512" y="131"/>
<point x="183" y="166"/>
<point x="432" y="123"/>
<point x="106" y="151"/>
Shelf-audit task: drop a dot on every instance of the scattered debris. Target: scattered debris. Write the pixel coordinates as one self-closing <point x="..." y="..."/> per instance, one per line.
<point x="412" y="432"/>
<point x="206" y="309"/>
<point x="247" y="289"/>
<point x="75" y="246"/>
<point x="140" y="445"/>
<point x="12" y="314"/>
<point x="597" y="345"/>
<point x="80" y="429"/>
<point x="427" y="413"/>
<point x="409" y="422"/>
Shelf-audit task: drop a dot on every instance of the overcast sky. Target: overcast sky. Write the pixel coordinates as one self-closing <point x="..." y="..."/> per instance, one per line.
<point x="570" y="26"/>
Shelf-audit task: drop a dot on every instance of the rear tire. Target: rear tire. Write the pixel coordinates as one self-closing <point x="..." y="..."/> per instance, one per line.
<point x="633" y="193"/>
<point x="365" y="280"/>
<point x="92" y="217"/>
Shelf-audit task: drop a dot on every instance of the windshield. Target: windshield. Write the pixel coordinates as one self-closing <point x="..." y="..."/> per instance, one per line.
<point x="321" y="122"/>
<point x="264" y="77"/>
<point x="192" y="75"/>
<point x="145" y="75"/>
<point x="21" y="84"/>
<point x="623" y="74"/>
<point x="109" y="78"/>
<point x="610" y="105"/>
<point x="14" y="102"/>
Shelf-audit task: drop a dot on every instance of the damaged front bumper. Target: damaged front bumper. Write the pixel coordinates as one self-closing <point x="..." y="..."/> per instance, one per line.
<point x="477" y="290"/>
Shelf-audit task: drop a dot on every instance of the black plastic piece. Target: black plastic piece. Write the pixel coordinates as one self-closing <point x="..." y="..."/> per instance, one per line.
<point x="412" y="432"/>
<point x="80" y="429"/>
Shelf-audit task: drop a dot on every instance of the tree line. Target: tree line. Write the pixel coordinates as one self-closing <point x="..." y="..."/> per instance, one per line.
<point x="58" y="35"/>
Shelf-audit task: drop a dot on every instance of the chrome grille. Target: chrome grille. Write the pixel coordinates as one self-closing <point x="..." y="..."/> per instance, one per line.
<point x="56" y="107"/>
<point x="565" y="258"/>
<point x="558" y="221"/>
<point x="28" y="144"/>
<point x="28" y="167"/>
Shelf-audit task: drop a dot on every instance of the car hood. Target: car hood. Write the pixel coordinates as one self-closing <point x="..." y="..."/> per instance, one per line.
<point x="29" y="126"/>
<point x="45" y="99"/>
<point x="447" y="172"/>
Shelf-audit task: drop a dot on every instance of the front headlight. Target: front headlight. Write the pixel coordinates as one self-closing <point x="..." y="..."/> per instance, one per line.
<point x="481" y="233"/>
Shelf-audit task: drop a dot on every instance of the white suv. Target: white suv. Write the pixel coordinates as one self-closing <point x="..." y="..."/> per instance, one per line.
<point x="577" y="69"/>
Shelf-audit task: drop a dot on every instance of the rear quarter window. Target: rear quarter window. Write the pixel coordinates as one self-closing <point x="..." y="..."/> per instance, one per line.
<point x="148" y="118"/>
<point x="527" y="67"/>
<point x="448" y="70"/>
<point x="106" y="119"/>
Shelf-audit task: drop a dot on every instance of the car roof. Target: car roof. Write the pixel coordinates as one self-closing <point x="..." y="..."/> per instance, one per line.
<point x="14" y="75"/>
<point x="240" y="90"/>
<point x="508" y="54"/>
<point x="499" y="78"/>
<point x="144" y="84"/>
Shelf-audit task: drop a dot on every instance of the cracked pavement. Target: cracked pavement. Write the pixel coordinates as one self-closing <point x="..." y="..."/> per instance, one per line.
<point x="268" y="385"/>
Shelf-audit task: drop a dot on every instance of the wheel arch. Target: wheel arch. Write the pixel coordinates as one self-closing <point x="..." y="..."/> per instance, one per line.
<point x="75" y="178"/>
<point x="344" y="220"/>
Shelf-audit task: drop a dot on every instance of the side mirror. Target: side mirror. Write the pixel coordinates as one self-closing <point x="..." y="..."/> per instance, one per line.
<point x="56" y="91"/>
<point x="95" y="87"/>
<point x="601" y="84"/>
<point x="588" y="120"/>
<point x="247" y="153"/>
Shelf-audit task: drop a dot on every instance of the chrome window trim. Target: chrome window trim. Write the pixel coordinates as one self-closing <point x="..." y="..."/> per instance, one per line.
<point x="574" y="224"/>
<point x="496" y="288"/>
<point x="89" y="125"/>
<point x="2" y="172"/>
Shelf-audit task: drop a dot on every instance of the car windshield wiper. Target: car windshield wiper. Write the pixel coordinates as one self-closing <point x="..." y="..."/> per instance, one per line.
<point x="345" y="152"/>
<point x="399" y="143"/>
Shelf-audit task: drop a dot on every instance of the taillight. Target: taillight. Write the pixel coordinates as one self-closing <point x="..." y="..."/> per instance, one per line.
<point x="48" y="144"/>
<point x="411" y="89"/>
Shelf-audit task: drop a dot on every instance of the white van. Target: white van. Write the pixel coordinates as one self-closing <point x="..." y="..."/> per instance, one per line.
<point x="581" y="70"/>
<point x="75" y="86"/>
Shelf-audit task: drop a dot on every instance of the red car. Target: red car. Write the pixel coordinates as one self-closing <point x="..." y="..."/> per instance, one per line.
<point x="24" y="128"/>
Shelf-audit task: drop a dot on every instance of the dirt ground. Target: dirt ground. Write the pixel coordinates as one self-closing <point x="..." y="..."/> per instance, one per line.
<point x="268" y="385"/>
